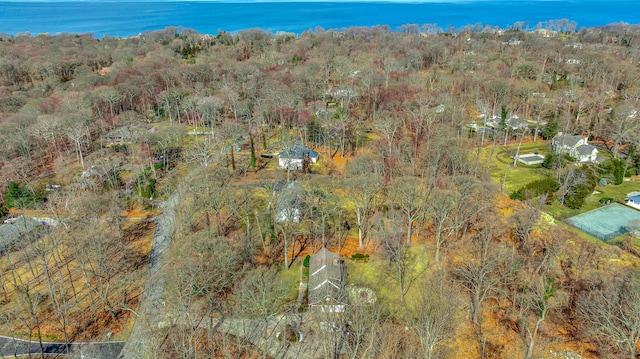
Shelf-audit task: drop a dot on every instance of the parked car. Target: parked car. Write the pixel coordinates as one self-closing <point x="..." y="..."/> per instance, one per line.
<point x="10" y="220"/>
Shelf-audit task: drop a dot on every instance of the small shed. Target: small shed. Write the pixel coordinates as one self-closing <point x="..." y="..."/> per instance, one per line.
<point x="326" y="287"/>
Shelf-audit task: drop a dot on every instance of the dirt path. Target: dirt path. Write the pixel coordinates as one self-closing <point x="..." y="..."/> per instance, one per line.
<point x="143" y="340"/>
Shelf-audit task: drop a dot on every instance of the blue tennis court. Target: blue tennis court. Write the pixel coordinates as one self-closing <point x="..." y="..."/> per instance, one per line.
<point x="606" y="222"/>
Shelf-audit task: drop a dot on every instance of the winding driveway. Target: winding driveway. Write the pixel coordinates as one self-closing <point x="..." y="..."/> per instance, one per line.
<point x="143" y="338"/>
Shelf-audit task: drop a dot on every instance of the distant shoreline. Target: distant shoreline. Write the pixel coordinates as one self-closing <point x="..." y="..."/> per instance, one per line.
<point x="130" y="18"/>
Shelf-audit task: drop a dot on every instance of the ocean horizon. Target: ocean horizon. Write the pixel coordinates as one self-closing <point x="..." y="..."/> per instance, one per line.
<point x="129" y="18"/>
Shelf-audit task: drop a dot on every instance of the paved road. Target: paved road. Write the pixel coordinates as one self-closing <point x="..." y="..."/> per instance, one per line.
<point x="12" y="347"/>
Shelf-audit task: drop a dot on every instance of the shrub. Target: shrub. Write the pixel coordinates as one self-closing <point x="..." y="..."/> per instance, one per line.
<point x="145" y="185"/>
<point x="605" y="200"/>
<point x="552" y="160"/>
<point x="3" y="210"/>
<point x="618" y="171"/>
<point x="576" y="195"/>
<point x="360" y="257"/>
<point x="535" y="189"/>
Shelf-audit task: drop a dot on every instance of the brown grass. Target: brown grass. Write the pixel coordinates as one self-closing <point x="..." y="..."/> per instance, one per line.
<point x="84" y="323"/>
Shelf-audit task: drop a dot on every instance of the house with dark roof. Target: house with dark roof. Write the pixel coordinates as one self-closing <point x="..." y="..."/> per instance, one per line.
<point x="293" y="157"/>
<point x="118" y="137"/>
<point x="576" y="146"/>
<point x="326" y="282"/>
<point x="586" y="153"/>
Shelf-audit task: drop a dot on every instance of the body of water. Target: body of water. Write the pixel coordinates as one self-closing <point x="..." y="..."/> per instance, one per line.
<point x="115" y="18"/>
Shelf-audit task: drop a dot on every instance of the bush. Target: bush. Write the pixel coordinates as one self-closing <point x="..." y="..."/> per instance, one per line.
<point x="3" y="210"/>
<point x="576" y="197"/>
<point x="578" y="193"/>
<point x="360" y="257"/>
<point x="145" y="185"/>
<point x="552" y="160"/>
<point x="536" y="189"/>
<point x="605" y="200"/>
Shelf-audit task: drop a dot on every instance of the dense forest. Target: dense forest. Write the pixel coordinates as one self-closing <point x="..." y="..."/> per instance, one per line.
<point x="152" y="163"/>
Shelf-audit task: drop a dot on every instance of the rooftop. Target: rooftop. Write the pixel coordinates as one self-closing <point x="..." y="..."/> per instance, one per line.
<point x="298" y="151"/>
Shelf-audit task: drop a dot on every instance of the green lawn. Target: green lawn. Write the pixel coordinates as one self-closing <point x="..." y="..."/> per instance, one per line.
<point x="376" y="275"/>
<point x="618" y="193"/>
<point x="500" y="163"/>
<point x="292" y="279"/>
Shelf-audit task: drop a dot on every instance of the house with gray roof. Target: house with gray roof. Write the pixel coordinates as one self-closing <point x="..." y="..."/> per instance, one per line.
<point x="293" y="157"/>
<point x="586" y="153"/>
<point x="326" y="286"/>
<point x="517" y="123"/>
<point x="576" y="146"/>
<point x="13" y="230"/>
<point x="118" y="137"/>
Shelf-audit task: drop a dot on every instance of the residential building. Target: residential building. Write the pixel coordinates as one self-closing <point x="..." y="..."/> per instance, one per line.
<point x="326" y="287"/>
<point x="293" y="157"/>
<point x="576" y="146"/>
<point x="633" y="201"/>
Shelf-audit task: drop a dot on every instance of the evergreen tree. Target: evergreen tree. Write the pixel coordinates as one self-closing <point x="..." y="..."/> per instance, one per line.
<point x="19" y="197"/>
<point x="550" y="129"/>
<point x="552" y="160"/>
<point x="253" y="153"/>
<point x="504" y="112"/>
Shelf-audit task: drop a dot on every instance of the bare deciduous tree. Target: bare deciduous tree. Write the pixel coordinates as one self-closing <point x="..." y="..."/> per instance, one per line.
<point x="440" y="208"/>
<point x="410" y="195"/>
<point x="537" y="297"/>
<point x="610" y="315"/>
<point x="364" y="192"/>
<point x="434" y="314"/>
<point x="402" y="265"/>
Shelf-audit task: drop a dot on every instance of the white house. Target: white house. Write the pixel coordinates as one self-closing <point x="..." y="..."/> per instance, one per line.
<point x="289" y="203"/>
<point x="513" y="122"/>
<point x="293" y="157"/>
<point x="576" y="146"/>
<point x="586" y="153"/>
<point x="633" y="201"/>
